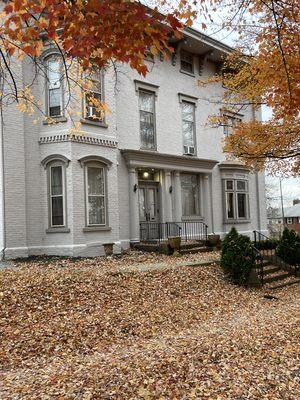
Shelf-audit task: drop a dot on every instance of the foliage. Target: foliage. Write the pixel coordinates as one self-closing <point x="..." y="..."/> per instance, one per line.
<point x="288" y="248"/>
<point x="237" y="257"/>
<point x="268" y="244"/>
<point x="107" y="329"/>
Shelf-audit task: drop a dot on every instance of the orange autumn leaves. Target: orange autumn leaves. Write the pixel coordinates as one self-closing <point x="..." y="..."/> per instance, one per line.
<point x="92" y="32"/>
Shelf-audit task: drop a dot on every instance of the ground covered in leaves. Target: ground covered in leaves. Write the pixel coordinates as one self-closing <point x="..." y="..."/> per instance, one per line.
<point x="96" y="329"/>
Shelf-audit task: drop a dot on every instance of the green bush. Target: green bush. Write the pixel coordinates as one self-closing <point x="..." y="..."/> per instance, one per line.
<point x="237" y="257"/>
<point x="288" y="248"/>
<point x="267" y="244"/>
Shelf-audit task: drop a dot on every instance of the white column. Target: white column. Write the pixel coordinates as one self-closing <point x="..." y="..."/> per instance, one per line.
<point x="177" y="197"/>
<point x="207" y="202"/>
<point x="167" y="197"/>
<point x="134" y="206"/>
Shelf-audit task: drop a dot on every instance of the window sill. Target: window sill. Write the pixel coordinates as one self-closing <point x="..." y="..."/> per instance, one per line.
<point x="96" y="229"/>
<point x="187" y="73"/>
<point x="237" y="221"/>
<point x="195" y="218"/>
<point x="55" y="120"/>
<point x="147" y="149"/>
<point x="94" y="123"/>
<point x="58" y="230"/>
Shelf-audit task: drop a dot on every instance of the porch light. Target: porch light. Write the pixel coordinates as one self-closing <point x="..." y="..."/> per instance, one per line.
<point x="171" y="189"/>
<point x="146" y="175"/>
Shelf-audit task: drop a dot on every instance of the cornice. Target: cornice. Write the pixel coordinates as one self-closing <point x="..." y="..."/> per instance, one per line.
<point x="86" y="139"/>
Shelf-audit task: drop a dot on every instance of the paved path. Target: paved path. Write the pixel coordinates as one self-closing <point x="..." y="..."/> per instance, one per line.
<point x="160" y="266"/>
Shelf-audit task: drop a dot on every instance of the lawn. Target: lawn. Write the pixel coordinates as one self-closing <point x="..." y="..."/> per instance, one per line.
<point x="107" y="329"/>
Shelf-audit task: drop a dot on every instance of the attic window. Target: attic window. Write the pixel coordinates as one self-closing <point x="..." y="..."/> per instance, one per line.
<point x="186" y="62"/>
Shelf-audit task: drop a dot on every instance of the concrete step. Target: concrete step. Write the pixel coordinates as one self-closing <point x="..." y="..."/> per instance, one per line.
<point x="292" y="282"/>
<point x="270" y="269"/>
<point x="276" y="276"/>
<point x="199" y="249"/>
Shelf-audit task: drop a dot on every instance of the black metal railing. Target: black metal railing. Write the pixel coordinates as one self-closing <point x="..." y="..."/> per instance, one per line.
<point x="161" y="231"/>
<point x="266" y="247"/>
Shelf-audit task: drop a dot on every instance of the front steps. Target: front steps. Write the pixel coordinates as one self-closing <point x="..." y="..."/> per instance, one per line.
<point x="189" y="247"/>
<point x="275" y="277"/>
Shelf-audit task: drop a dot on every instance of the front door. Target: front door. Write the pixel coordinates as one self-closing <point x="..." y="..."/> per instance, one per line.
<point x="148" y="203"/>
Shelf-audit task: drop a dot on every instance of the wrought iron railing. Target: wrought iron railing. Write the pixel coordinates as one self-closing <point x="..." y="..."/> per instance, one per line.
<point x="161" y="231"/>
<point x="266" y="247"/>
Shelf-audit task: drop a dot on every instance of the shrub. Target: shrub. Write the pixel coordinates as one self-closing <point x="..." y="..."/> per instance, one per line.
<point x="288" y="248"/>
<point x="267" y="244"/>
<point x="237" y="257"/>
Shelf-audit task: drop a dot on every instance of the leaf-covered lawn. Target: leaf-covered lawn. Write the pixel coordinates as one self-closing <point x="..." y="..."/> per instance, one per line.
<point x="92" y="329"/>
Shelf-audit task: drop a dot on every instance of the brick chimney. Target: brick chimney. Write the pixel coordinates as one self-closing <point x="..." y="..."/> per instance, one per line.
<point x="296" y="201"/>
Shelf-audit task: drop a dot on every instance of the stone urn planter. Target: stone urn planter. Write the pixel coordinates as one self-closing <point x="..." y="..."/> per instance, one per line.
<point x="174" y="242"/>
<point x="108" y="249"/>
<point x="213" y="240"/>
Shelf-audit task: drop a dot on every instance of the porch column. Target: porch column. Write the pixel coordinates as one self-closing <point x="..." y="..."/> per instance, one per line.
<point x="177" y="197"/>
<point x="168" y="197"/>
<point x="134" y="206"/>
<point x="207" y="202"/>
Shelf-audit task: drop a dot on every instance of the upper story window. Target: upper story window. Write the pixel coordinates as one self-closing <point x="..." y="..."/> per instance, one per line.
<point x="236" y="199"/>
<point x="54" y="100"/>
<point x="190" y="195"/>
<point x="147" y="119"/>
<point x="186" y="62"/>
<point x="188" y="127"/>
<point x="289" y="220"/>
<point x="230" y="122"/>
<point x="93" y="98"/>
<point x="95" y="181"/>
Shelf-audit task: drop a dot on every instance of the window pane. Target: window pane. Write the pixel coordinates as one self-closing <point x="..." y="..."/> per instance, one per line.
<point x="190" y="195"/>
<point x="241" y="185"/>
<point x="186" y="61"/>
<point x="241" y="198"/>
<point x="54" y="102"/>
<point x="92" y="105"/>
<point x="96" y="210"/>
<point x="147" y="129"/>
<point x="146" y="101"/>
<point x="57" y="211"/>
<point x="95" y="181"/>
<point x="187" y="111"/>
<point x="229" y="201"/>
<point x="229" y="185"/>
<point x="54" y="74"/>
<point x="56" y="181"/>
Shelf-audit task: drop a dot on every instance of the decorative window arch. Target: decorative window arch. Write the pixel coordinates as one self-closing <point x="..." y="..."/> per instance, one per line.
<point x="95" y="183"/>
<point x="56" y="165"/>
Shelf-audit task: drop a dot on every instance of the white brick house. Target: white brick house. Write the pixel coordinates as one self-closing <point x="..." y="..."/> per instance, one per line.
<point x="153" y="159"/>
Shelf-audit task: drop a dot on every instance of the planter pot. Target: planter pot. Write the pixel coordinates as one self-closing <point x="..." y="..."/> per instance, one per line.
<point x="213" y="240"/>
<point x="174" y="242"/>
<point x="109" y="249"/>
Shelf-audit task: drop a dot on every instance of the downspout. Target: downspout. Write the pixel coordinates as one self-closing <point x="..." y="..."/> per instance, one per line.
<point x="257" y="186"/>
<point x="2" y="256"/>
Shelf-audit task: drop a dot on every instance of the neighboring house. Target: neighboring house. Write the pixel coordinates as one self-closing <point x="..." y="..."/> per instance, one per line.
<point x="289" y="219"/>
<point x="153" y="159"/>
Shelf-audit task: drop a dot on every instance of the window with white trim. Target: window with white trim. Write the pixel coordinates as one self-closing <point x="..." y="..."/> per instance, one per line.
<point x="95" y="181"/>
<point x="54" y="86"/>
<point x="93" y="98"/>
<point x="147" y="119"/>
<point x="289" y="220"/>
<point x="236" y="199"/>
<point x="188" y="127"/>
<point x="190" y="195"/>
<point x="57" y="200"/>
<point x="186" y="62"/>
<point x="230" y="122"/>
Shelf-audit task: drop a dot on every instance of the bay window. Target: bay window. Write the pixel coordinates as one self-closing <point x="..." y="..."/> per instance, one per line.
<point x="93" y="98"/>
<point x="54" y="86"/>
<point x="95" y="195"/>
<point x="236" y="199"/>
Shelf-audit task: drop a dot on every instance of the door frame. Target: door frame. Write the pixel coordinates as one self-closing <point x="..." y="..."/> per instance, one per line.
<point x="153" y="184"/>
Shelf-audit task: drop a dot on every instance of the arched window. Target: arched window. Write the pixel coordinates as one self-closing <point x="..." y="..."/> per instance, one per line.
<point x="57" y="200"/>
<point x="54" y="86"/>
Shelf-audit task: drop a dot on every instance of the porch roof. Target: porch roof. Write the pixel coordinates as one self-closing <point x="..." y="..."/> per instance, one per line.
<point x="144" y="158"/>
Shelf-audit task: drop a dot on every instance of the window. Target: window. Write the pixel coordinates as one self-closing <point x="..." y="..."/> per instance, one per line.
<point x="54" y="87"/>
<point x="147" y="119"/>
<point x="230" y="122"/>
<point x="236" y="199"/>
<point x="190" y="195"/>
<point x="188" y="127"/>
<point x="93" y="98"/>
<point x="289" y="220"/>
<point x="186" y="62"/>
<point x="95" y="195"/>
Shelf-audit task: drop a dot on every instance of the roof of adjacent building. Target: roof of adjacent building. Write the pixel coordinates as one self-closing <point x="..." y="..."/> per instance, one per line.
<point x="289" y="212"/>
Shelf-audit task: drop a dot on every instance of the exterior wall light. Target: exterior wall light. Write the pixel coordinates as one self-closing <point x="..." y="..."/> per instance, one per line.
<point x="146" y="174"/>
<point x="170" y="189"/>
<point x="135" y="186"/>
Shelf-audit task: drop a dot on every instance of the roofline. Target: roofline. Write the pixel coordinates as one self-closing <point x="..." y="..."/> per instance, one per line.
<point x="192" y="32"/>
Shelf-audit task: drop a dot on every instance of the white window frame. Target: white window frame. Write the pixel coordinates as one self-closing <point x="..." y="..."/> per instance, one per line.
<point x="153" y="94"/>
<point x="235" y="191"/>
<point x="194" y="129"/>
<point x="234" y="118"/>
<point x="100" y="85"/>
<point x="104" y="195"/>
<point x="194" y="216"/>
<point x="55" y="57"/>
<point x="182" y="69"/>
<point x="289" y="220"/>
